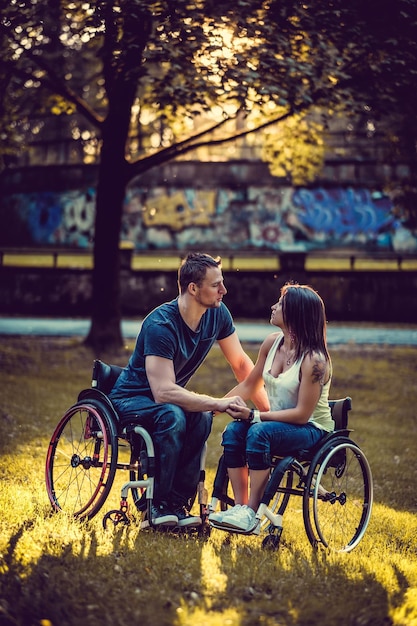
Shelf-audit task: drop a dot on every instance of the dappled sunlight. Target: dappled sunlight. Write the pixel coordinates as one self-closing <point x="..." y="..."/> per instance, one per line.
<point x="127" y="575"/>
<point x="213" y="578"/>
<point x="406" y="613"/>
<point x="201" y="617"/>
<point x="214" y="583"/>
<point x="238" y="580"/>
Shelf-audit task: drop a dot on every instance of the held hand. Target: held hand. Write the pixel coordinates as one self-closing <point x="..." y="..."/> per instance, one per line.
<point x="239" y="412"/>
<point x="233" y="400"/>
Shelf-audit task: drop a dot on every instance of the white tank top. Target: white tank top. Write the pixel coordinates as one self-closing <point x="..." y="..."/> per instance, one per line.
<point x="283" y="390"/>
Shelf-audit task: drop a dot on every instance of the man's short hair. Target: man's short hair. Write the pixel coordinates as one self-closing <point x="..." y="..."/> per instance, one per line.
<point x="193" y="269"/>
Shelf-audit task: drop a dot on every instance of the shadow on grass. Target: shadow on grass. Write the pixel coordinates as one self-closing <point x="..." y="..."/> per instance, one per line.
<point x="304" y="588"/>
<point x="148" y="578"/>
<point x="136" y="582"/>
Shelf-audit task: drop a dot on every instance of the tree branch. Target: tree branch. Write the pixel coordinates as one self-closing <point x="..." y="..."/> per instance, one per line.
<point x="171" y="152"/>
<point x="54" y="84"/>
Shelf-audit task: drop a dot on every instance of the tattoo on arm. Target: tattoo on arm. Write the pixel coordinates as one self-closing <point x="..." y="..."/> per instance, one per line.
<point x="319" y="371"/>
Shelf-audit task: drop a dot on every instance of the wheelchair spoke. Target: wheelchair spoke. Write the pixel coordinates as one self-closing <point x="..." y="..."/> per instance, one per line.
<point x="340" y="498"/>
<point x="81" y="462"/>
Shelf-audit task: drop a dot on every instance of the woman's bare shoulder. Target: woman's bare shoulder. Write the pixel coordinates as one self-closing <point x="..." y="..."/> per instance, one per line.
<point x="269" y="340"/>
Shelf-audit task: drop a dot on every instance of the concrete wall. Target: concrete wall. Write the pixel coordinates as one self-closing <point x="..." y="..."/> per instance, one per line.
<point x="349" y="295"/>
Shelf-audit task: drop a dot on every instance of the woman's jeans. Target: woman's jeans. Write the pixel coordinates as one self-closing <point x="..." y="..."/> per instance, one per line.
<point x="178" y="439"/>
<point x="255" y="444"/>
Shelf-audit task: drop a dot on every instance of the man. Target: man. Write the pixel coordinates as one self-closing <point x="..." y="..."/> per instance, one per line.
<point x="174" y="340"/>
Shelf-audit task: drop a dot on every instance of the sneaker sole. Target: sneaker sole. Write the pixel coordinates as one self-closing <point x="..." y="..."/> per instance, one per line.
<point x="166" y="520"/>
<point x="189" y="522"/>
<point x="230" y="526"/>
<point x="214" y="520"/>
<point x="237" y="531"/>
<point x="224" y="522"/>
<point x="219" y="526"/>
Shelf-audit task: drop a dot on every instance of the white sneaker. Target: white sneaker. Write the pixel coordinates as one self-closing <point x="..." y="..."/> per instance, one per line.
<point x="243" y="519"/>
<point x="216" y="516"/>
<point x="232" y="512"/>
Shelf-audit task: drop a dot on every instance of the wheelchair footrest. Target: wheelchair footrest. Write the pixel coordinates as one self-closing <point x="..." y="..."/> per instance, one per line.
<point x="229" y="529"/>
<point x="238" y="531"/>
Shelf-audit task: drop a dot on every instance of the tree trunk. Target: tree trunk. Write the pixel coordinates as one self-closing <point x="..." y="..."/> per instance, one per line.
<point x="105" y="330"/>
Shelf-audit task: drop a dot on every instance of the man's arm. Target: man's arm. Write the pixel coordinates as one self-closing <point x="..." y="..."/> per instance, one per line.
<point x="161" y="377"/>
<point x="242" y="366"/>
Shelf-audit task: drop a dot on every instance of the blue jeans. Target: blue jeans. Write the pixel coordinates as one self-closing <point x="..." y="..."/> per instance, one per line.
<point x="255" y="444"/>
<point x="178" y="439"/>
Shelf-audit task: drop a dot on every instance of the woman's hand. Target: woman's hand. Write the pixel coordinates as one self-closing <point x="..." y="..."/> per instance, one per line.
<point x="239" y="412"/>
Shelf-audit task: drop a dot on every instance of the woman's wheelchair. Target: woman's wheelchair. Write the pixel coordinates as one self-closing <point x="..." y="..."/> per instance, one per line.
<point x="333" y="479"/>
<point x="84" y="455"/>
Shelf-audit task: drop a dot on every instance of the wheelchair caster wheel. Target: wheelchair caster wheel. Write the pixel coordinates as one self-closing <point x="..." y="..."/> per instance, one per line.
<point x="116" y="518"/>
<point x="204" y="530"/>
<point x="271" y="542"/>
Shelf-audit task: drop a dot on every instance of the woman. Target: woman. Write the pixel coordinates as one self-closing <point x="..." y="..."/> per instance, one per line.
<point x="296" y="370"/>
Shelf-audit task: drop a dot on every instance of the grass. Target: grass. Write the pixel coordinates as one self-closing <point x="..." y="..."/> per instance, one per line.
<point x="58" y="572"/>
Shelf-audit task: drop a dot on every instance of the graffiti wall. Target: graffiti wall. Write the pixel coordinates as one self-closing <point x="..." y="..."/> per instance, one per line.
<point x="179" y="218"/>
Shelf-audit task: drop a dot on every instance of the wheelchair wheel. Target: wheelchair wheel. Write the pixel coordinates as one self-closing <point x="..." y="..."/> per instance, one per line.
<point x="81" y="461"/>
<point x="337" y="501"/>
<point x="115" y="518"/>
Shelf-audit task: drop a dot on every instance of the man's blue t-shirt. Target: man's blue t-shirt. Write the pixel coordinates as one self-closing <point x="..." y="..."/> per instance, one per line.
<point x="164" y="333"/>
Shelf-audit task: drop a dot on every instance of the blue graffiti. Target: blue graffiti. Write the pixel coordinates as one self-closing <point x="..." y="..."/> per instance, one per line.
<point x="43" y="215"/>
<point x="341" y="212"/>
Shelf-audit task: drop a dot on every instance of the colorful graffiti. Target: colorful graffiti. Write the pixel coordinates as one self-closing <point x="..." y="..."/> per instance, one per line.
<point x="170" y="217"/>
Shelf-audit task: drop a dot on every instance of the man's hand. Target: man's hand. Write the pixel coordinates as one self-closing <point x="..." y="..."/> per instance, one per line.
<point x="225" y="404"/>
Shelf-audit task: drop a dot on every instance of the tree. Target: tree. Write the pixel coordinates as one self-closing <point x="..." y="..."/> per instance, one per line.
<point x="115" y="62"/>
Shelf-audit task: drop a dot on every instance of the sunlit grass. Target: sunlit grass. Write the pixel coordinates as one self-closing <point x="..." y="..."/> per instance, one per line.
<point x="67" y="573"/>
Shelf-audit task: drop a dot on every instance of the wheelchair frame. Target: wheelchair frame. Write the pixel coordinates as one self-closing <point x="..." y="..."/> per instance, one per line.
<point x="334" y="481"/>
<point x="83" y="457"/>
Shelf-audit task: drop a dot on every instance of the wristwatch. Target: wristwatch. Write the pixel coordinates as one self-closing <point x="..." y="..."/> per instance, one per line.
<point x="254" y="415"/>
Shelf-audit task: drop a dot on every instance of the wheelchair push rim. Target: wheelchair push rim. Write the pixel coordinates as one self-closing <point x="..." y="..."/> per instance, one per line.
<point x="338" y="499"/>
<point x="81" y="461"/>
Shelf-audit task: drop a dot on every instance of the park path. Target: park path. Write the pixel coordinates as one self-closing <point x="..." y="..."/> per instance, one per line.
<point x="254" y="332"/>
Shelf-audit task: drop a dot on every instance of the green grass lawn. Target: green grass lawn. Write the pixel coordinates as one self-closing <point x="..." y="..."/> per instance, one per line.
<point x="58" y="572"/>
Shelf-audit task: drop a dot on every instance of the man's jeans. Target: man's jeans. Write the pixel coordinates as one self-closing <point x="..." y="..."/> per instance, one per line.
<point x="255" y="444"/>
<point x="178" y="439"/>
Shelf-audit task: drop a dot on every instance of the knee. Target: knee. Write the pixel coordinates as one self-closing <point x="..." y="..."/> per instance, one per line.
<point x="257" y="439"/>
<point x="199" y="424"/>
<point x="256" y="435"/>
<point x="207" y="421"/>
<point x="258" y="448"/>
<point x="233" y="435"/>
<point x="234" y="444"/>
<point x="206" y="418"/>
<point x="172" y="419"/>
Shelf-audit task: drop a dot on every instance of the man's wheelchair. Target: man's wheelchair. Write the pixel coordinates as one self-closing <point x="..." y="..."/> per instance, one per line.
<point x="333" y="479"/>
<point x="84" y="455"/>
